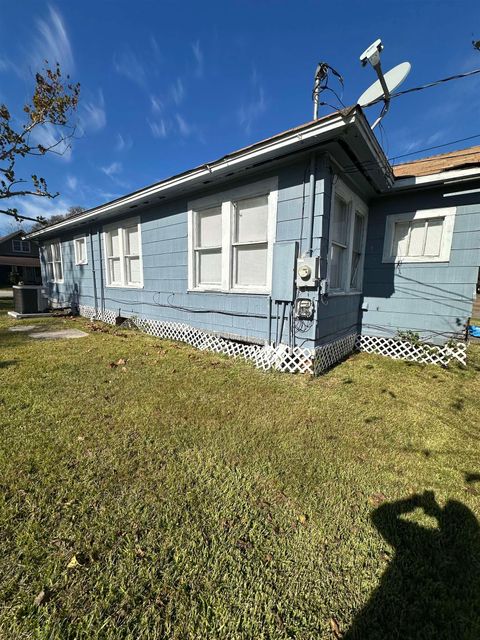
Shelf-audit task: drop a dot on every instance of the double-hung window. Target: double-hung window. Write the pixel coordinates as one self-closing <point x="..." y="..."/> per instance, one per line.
<point x="419" y="236"/>
<point x="231" y="238"/>
<point x="80" y="250"/>
<point x="347" y="241"/>
<point x="53" y="257"/>
<point x="21" y="246"/>
<point x="123" y="257"/>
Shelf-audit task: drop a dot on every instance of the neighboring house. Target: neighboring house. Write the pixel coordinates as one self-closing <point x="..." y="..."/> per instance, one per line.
<point x="19" y="260"/>
<point x="210" y="255"/>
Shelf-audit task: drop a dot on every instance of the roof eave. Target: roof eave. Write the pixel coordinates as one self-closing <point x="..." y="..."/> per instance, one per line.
<point x="416" y="182"/>
<point x="293" y="140"/>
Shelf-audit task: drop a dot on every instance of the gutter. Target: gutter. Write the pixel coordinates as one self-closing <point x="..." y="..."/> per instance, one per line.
<point x="310" y="133"/>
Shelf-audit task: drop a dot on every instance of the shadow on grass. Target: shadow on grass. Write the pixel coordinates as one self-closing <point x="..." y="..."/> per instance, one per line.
<point x="431" y="588"/>
<point x="7" y="363"/>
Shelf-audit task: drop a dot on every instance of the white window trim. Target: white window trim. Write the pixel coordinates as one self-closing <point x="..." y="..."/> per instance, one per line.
<point x="355" y="203"/>
<point x="448" y="213"/>
<point x="53" y="280"/>
<point x="225" y="200"/>
<point x="120" y="225"/>
<point x="79" y="262"/>
<point x="22" y="244"/>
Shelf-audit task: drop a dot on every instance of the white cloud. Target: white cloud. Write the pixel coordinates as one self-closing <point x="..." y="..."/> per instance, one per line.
<point x="112" y="169"/>
<point x="94" y="117"/>
<point x="198" y="55"/>
<point x="52" y="43"/>
<point x="159" y="129"/>
<point x="49" y="137"/>
<point x="250" y="111"/>
<point x="123" y="143"/>
<point x="177" y="91"/>
<point x="34" y="207"/>
<point x="128" y="65"/>
<point x="156" y="104"/>
<point x="72" y="183"/>
<point x="184" y="128"/>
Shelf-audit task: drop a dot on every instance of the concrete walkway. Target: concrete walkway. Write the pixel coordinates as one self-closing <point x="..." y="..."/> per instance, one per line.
<point x="6" y="293"/>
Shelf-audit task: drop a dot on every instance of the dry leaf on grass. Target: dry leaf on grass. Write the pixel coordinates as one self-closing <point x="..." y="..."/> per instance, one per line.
<point x="74" y="563"/>
<point x="335" y="628"/>
<point x="40" y="598"/>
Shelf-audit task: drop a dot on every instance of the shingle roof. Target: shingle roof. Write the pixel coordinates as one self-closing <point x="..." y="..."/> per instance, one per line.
<point x="12" y="235"/>
<point x="459" y="159"/>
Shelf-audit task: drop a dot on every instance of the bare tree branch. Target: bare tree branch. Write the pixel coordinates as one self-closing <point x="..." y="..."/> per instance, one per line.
<point x="53" y="103"/>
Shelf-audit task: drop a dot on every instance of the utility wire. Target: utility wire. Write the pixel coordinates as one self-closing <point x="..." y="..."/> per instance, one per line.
<point x="457" y="76"/>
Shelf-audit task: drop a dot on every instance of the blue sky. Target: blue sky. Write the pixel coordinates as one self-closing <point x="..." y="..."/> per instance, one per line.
<point x="168" y="85"/>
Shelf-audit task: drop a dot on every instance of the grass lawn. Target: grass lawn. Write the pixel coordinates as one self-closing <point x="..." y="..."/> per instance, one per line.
<point x="186" y="495"/>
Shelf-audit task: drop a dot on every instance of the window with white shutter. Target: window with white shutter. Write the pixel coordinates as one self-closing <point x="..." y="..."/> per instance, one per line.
<point x="419" y="236"/>
<point x="123" y="258"/>
<point x="231" y="238"/>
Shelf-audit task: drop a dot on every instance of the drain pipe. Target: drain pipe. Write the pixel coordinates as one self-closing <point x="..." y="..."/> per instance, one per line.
<point x="311" y="204"/>
<point x="94" y="277"/>
<point x="100" y="261"/>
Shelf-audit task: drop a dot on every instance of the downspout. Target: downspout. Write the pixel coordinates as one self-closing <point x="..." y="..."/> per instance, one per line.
<point x="100" y="260"/>
<point x="311" y="204"/>
<point x="94" y="277"/>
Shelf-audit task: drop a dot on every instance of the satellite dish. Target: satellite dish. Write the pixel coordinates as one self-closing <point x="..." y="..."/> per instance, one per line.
<point x="383" y="87"/>
<point x="393" y="79"/>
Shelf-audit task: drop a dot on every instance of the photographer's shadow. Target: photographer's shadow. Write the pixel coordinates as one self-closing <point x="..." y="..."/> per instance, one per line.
<point x="431" y="589"/>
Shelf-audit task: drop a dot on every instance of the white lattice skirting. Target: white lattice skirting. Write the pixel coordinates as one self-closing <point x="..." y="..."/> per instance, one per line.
<point x="417" y="352"/>
<point x="283" y="357"/>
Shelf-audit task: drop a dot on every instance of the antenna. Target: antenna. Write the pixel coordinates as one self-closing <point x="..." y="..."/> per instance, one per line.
<point x="385" y="84"/>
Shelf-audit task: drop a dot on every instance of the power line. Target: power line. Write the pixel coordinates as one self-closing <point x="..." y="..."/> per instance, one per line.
<point x="457" y="76"/>
<point x="437" y="146"/>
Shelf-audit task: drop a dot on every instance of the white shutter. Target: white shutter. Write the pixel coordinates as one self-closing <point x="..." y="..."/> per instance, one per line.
<point x="433" y="240"/>
<point x="209" y="230"/>
<point x="337" y="263"/>
<point x="251" y="265"/>
<point x="340" y="221"/>
<point x="400" y="239"/>
<point x="252" y="220"/>
<point x="417" y="238"/>
<point x="131" y="240"/>
<point x="209" y="267"/>
<point x="133" y="270"/>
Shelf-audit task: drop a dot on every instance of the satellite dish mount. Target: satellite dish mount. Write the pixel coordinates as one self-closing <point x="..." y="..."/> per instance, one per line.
<point x="383" y="87"/>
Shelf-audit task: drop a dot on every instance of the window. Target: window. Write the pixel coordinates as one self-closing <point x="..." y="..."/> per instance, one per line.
<point x="80" y="246"/>
<point x="419" y="236"/>
<point x="231" y="239"/>
<point x="21" y="246"/>
<point x="123" y="257"/>
<point x="53" y="254"/>
<point x="347" y="241"/>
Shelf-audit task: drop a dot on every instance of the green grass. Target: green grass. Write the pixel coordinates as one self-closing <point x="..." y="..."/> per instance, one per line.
<point x="202" y="498"/>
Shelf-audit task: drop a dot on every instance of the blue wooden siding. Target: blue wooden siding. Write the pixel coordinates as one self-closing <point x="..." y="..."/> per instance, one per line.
<point x="164" y="295"/>
<point x="432" y="299"/>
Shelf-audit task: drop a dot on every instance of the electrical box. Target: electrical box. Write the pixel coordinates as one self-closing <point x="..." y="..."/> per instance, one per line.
<point x="304" y="308"/>
<point x="307" y="272"/>
<point x="284" y="273"/>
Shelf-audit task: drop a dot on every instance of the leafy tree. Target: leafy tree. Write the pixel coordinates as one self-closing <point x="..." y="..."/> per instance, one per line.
<point x="72" y="211"/>
<point x="53" y="103"/>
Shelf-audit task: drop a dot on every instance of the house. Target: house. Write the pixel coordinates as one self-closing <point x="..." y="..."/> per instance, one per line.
<point x="288" y="252"/>
<point x="19" y="260"/>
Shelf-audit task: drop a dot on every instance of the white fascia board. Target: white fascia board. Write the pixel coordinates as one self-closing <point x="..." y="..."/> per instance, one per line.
<point x="442" y="177"/>
<point x="271" y="147"/>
